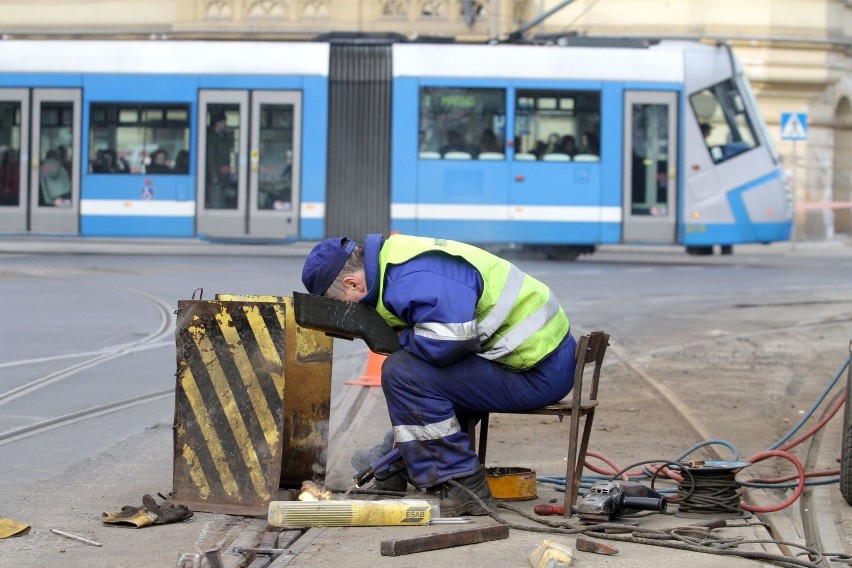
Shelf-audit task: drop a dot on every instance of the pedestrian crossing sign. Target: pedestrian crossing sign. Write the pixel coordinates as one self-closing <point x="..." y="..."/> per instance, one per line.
<point x="794" y="126"/>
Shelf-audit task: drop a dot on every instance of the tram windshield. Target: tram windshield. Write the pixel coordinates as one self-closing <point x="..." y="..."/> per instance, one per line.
<point x="724" y="120"/>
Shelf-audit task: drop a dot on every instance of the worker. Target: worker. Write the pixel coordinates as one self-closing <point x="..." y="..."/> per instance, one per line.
<point x="477" y="335"/>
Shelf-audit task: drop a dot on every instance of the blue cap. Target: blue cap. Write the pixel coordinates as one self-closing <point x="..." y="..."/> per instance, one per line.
<point x="325" y="262"/>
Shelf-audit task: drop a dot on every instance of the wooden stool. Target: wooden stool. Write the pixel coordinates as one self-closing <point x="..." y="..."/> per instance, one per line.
<point x="591" y="348"/>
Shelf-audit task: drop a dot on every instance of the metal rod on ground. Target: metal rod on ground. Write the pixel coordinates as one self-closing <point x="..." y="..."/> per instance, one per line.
<point x="75" y="537"/>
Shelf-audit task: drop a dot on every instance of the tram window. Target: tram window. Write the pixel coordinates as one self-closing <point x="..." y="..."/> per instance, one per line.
<point x="139" y="138"/>
<point x="462" y="123"/>
<point x="724" y="121"/>
<point x="557" y="126"/>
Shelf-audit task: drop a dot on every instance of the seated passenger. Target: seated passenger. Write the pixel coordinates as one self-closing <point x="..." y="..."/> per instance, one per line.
<point x="589" y="144"/>
<point x="456" y="143"/>
<point x="108" y="162"/>
<point x="182" y="162"/>
<point x="159" y="163"/>
<point x="488" y="142"/>
<point x="569" y="145"/>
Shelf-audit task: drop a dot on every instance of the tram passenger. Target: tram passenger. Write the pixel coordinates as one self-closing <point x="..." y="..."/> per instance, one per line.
<point x="589" y="144"/>
<point x="569" y="145"/>
<point x="219" y="190"/>
<point x="456" y="143"/>
<point x="477" y="335"/>
<point x="159" y="163"/>
<point x="53" y="181"/>
<point x="108" y="162"/>
<point x="488" y="142"/>
<point x="10" y="177"/>
<point x="182" y="162"/>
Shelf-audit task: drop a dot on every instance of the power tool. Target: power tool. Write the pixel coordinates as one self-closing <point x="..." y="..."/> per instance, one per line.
<point x="610" y="500"/>
<point x="384" y="465"/>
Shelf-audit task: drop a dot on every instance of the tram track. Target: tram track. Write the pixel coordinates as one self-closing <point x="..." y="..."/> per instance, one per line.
<point x="91" y="359"/>
<point x="815" y="531"/>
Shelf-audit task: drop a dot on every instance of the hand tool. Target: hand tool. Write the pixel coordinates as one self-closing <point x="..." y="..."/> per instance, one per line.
<point x="609" y="500"/>
<point x="549" y="510"/>
<point x="379" y="466"/>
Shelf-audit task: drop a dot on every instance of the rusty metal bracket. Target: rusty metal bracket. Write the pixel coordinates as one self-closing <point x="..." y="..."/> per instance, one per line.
<point x="346" y="320"/>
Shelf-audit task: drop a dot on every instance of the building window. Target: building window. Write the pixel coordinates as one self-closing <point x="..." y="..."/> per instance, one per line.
<point x="139" y="138"/>
<point x="462" y="124"/>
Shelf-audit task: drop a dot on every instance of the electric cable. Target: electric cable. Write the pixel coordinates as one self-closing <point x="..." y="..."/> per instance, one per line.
<point x="813" y="408"/>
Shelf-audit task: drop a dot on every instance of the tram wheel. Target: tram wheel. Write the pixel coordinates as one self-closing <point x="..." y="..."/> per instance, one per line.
<point x="566" y="252"/>
<point x="846" y="443"/>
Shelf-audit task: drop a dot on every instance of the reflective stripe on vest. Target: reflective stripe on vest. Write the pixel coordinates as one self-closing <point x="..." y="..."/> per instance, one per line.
<point x="519" y="322"/>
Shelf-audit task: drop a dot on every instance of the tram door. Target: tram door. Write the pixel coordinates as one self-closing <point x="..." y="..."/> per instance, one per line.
<point x="248" y="163"/>
<point x="650" y="167"/>
<point x="39" y="160"/>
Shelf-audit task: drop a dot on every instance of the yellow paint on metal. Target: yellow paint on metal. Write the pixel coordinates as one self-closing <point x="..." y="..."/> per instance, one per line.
<point x="250" y="380"/>
<point x="265" y="342"/>
<point x="208" y="431"/>
<point x="233" y="415"/>
<point x="196" y="473"/>
<point x="252" y="405"/>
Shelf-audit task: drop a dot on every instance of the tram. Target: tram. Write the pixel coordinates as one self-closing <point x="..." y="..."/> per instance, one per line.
<point x="563" y="146"/>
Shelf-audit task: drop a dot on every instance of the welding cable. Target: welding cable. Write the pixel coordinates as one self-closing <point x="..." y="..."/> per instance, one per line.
<point x="777" y="559"/>
<point x="800" y="486"/>
<point x="828" y="416"/>
<point x="810" y="412"/>
<point x="771" y="482"/>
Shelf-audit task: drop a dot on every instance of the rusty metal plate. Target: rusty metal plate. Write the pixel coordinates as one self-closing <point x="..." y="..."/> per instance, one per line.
<point x="308" y="357"/>
<point x="229" y="404"/>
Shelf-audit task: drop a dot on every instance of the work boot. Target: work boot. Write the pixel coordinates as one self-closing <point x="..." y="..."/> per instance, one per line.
<point x="457" y="501"/>
<point x="395" y="479"/>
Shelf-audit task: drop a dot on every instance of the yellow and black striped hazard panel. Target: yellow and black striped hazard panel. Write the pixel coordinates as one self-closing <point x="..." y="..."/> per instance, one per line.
<point x="229" y="405"/>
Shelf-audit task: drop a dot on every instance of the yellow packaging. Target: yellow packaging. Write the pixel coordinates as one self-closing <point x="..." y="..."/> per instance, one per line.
<point x="350" y="513"/>
<point x="551" y="554"/>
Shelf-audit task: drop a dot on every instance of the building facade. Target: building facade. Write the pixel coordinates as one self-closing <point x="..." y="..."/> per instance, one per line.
<point x="797" y="53"/>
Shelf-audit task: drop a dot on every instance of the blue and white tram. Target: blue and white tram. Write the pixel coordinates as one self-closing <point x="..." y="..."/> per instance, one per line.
<point x="662" y="144"/>
<point x="563" y="147"/>
<point x="163" y="139"/>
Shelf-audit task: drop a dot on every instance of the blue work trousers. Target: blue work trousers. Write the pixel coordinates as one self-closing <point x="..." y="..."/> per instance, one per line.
<point x="424" y="401"/>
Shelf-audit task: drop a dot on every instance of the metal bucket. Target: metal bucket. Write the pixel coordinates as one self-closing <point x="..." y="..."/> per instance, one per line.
<point x="511" y="483"/>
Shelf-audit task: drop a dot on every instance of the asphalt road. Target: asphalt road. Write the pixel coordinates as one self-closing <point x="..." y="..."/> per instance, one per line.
<point x="88" y="356"/>
<point x="96" y="331"/>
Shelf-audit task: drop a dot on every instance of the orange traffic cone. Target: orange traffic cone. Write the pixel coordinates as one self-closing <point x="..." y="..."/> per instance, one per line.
<point x="372" y="377"/>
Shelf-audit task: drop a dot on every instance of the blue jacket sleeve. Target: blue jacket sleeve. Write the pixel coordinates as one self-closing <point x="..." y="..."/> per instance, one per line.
<point x="436" y="296"/>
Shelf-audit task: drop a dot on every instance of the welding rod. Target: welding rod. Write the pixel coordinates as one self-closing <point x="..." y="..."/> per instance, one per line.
<point x="75" y="537"/>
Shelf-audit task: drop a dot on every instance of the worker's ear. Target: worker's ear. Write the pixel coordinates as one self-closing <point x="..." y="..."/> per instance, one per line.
<point x="354" y="283"/>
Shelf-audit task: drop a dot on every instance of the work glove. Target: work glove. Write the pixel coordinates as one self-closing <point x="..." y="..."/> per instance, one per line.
<point x="148" y="514"/>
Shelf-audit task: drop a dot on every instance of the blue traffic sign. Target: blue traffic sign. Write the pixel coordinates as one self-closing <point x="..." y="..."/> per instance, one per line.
<point x="794" y="126"/>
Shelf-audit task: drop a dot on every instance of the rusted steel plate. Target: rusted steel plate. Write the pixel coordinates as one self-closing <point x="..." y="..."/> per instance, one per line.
<point x="232" y="416"/>
<point x="307" y="394"/>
